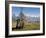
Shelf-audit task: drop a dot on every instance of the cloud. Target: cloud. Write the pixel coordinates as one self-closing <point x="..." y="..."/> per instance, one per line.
<point x="16" y="14"/>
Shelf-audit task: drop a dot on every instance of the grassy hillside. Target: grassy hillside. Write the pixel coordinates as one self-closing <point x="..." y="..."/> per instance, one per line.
<point x="27" y="26"/>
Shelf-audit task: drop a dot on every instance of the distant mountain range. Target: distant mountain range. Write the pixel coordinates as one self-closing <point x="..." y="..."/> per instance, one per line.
<point x="33" y="18"/>
<point x="28" y="18"/>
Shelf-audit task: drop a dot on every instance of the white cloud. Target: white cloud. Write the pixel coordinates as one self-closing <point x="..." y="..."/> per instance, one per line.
<point x="16" y="14"/>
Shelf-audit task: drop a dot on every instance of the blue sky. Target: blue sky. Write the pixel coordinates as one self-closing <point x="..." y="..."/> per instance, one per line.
<point x="28" y="11"/>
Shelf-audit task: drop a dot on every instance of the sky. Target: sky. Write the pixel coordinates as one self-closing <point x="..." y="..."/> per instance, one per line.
<point x="28" y="11"/>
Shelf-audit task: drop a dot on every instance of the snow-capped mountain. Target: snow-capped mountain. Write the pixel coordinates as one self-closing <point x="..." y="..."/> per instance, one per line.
<point x="32" y="19"/>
